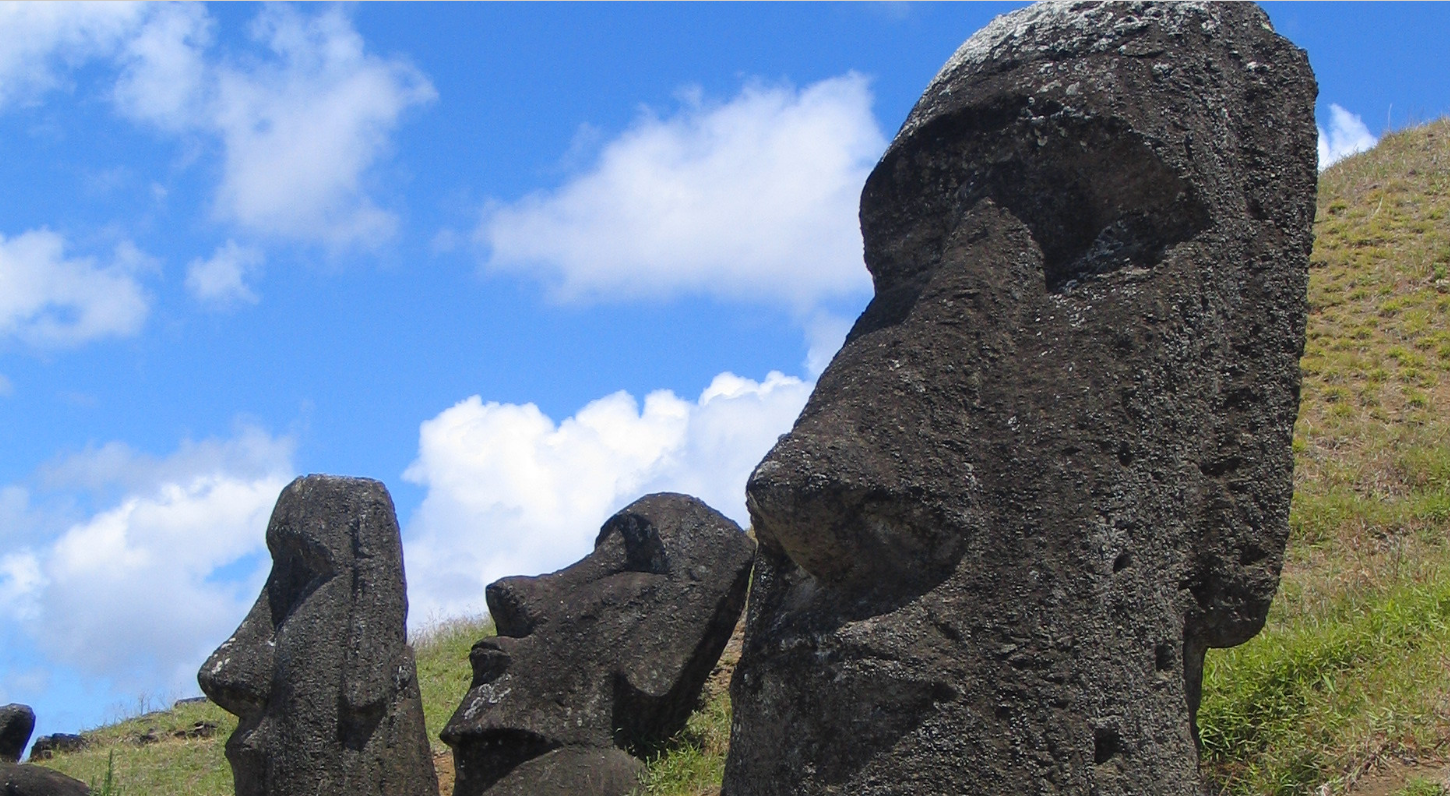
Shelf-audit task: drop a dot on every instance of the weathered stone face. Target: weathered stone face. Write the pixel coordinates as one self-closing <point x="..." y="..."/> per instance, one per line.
<point x="320" y="672"/>
<point x="1051" y="464"/>
<point x="608" y="654"/>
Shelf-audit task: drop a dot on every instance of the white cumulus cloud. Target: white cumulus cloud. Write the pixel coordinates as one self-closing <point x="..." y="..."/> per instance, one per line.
<point x="50" y="300"/>
<point x="1347" y="135"/>
<point x="222" y="279"/>
<point x="512" y="492"/>
<point x="754" y="198"/>
<point x="131" y="593"/>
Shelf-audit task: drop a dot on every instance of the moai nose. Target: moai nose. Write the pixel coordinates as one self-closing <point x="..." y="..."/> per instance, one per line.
<point x="515" y="604"/>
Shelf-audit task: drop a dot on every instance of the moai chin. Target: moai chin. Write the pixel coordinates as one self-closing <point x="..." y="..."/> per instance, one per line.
<point x="1051" y="465"/>
<point x="319" y="672"/>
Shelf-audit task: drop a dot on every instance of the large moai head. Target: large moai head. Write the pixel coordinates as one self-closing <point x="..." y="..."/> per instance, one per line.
<point x="596" y="662"/>
<point x="320" y="672"/>
<point x="1051" y="465"/>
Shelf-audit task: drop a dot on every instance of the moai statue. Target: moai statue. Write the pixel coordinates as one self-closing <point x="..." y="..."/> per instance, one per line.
<point x="594" y="663"/>
<point x="1051" y="465"/>
<point x="320" y="672"/>
<point x="17" y="722"/>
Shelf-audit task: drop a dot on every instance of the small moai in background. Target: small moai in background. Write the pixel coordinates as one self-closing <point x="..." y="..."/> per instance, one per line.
<point x="596" y="663"/>
<point x="17" y="722"/>
<point x="319" y="672"/>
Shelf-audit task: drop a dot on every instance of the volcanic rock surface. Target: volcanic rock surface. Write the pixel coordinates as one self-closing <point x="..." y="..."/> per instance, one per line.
<point x="1051" y="465"/>
<point x="17" y="722"/>
<point x="319" y="672"/>
<point x="25" y="779"/>
<point x="600" y="660"/>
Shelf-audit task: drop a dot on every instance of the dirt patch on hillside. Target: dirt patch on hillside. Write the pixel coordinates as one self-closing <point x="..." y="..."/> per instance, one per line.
<point x="443" y="764"/>
<point x="1392" y="776"/>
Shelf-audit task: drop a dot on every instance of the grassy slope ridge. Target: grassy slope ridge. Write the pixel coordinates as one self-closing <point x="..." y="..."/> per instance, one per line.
<point x="1353" y="668"/>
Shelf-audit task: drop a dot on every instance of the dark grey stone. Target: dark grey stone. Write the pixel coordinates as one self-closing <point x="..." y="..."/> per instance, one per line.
<point x="46" y="746"/>
<point x="1051" y="465"/>
<point x="573" y="771"/>
<point x="605" y="655"/>
<point x="24" y="779"/>
<point x="17" y="722"/>
<point x="319" y="672"/>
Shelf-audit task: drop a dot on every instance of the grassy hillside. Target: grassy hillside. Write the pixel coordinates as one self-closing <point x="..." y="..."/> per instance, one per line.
<point x="1352" y="673"/>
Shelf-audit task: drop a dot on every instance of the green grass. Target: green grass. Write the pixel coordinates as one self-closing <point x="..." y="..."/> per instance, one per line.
<point x="443" y="670"/>
<point x="1421" y="787"/>
<point x="693" y="764"/>
<point x="170" y="764"/>
<point x="1353" y="666"/>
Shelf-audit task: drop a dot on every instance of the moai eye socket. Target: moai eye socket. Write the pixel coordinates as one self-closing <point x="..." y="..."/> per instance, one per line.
<point x="643" y="550"/>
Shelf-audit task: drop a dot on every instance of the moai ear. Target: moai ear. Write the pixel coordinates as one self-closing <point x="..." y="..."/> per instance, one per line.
<point x="238" y="676"/>
<point x="379" y="609"/>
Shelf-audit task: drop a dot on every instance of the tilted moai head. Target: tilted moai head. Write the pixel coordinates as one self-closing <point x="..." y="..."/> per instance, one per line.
<point x="602" y="658"/>
<point x="1051" y="464"/>
<point x="320" y="672"/>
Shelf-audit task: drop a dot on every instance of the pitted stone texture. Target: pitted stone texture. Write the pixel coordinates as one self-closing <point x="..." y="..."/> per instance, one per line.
<point x="17" y="722"/>
<point x="1051" y="464"/>
<point x="319" y="672"/>
<point x="608" y="654"/>
<point x="25" y="779"/>
<point x="573" y="771"/>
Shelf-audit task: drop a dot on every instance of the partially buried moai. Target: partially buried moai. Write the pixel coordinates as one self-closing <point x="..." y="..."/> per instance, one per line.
<point x="320" y="672"/>
<point x="595" y="663"/>
<point x="1051" y="466"/>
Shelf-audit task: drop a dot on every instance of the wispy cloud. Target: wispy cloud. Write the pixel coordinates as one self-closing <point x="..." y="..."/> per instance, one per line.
<point x="754" y="198"/>
<point x="510" y="491"/>
<point x="299" y="127"/>
<point x="301" y="131"/>
<point x="49" y="300"/>
<point x="43" y="42"/>
<point x="222" y="279"/>
<point x="1347" y="135"/>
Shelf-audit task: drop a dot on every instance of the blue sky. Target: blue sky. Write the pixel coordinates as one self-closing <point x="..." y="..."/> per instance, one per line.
<point x="522" y="263"/>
